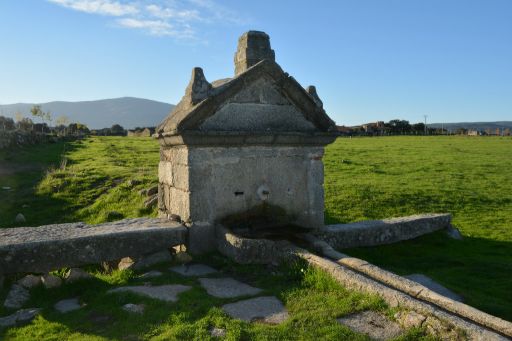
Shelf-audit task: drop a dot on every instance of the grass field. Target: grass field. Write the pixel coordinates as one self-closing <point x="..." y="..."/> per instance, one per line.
<point x="365" y="178"/>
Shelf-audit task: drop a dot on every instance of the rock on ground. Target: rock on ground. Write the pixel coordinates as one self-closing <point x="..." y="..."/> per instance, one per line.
<point x="373" y="324"/>
<point x="218" y="332"/>
<point x="30" y="281"/>
<point x="167" y="293"/>
<point x="51" y="281"/>
<point x="227" y="287"/>
<point x="193" y="270"/>
<point x="134" y="308"/>
<point x="76" y="274"/>
<point x="266" y="309"/>
<point x="24" y="315"/>
<point x="183" y="257"/>
<point x="145" y="261"/>
<point x="68" y="305"/>
<point x="16" y="297"/>
<point x="410" y="319"/>
<point x="20" y="218"/>
<point x="434" y="286"/>
<point x="454" y="233"/>
<point x="151" y="274"/>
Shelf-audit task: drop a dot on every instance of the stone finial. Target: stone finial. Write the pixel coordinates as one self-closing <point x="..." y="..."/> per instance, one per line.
<point x="253" y="47"/>
<point x="198" y="88"/>
<point x="311" y="90"/>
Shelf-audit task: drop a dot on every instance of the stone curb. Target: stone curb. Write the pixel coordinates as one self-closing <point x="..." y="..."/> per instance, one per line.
<point x="412" y="288"/>
<point x="393" y="297"/>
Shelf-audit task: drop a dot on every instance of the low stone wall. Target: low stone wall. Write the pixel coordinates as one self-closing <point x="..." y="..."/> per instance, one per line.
<point x="9" y="139"/>
<point x="45" y="248"/>
<point x="380" y="232"/>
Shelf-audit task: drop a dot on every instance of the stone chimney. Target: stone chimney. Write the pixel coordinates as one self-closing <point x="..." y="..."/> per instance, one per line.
<point x="253" y="47"/>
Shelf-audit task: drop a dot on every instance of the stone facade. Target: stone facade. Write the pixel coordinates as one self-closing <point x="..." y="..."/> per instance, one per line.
<point x="235" y="144"/>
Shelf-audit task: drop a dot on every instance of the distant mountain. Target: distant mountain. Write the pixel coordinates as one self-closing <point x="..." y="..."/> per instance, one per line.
<point x="129" y="112"/>
<point x="480" y="126"/>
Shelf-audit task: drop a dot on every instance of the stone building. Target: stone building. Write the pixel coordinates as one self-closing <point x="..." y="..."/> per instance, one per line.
<point x="233" y="145"/>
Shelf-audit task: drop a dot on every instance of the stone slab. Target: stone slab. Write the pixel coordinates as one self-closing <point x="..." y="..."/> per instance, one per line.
<point x="266" y="309"/>
<point x="373" y="324"/>
<point x="380" y="232"/>
<point x="151" y="274"/>
<point x="16" y="297"/>
<point x="227" y="287"/>
<point x="50" y="247"/>
<point x="68" y="305"/>
<point x="134" y="308"/>
<point x="24" y="315"/>
<point x="193" y="270"/>
<point x="434" y="286"/>
<point x="166" y="293"/>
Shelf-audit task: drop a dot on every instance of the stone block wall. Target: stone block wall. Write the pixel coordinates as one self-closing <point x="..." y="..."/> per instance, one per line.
<point x="204" y="184"/>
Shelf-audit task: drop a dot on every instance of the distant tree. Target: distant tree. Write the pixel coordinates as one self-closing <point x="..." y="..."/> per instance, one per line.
<point x="461" y="131"/>
<point x="398" y="127"/>
<point x="418" y="128"/>
<point x="116" y="129"/>
<point x="18" y="116"/>
<point x="25" y="124"/>
<point x="44" y="116"/>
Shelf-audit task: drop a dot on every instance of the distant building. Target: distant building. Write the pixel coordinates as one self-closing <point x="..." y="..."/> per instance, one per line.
<point x="473" y="133"/>
<point x="146" y="132"/>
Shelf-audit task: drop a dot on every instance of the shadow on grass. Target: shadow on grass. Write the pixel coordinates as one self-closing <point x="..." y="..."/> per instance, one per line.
<point x="27" y="167"/>
<point x="478" y="269"/>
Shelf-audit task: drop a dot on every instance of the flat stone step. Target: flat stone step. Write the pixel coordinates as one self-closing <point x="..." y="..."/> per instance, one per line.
<point x="166" y="293"/>
<point x="227" y="287"/>
<point x="193" y="270"/>
<point x="375" y="325"/>
<point x="267" y="309"/>
<point x="434" y="286"/>
<point x="68" y="305"/>
<point x="45" y="248"/>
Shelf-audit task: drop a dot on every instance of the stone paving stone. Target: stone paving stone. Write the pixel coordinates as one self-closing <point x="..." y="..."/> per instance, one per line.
<point x="266" y="309"/>
<point x="167" y="293"/>
<point x="16" y="297"/>
<point x="434" y="286"/>
<point x="134" y="308"/>
<point x="151" y="274"/>
<point x="375" y="325"/>
<point x="193" y="270"/>
<point x="68" y="305"/>
<point x="24" y="315"/>
<point x="227" y="287"/>
<point x="218" y="332"/>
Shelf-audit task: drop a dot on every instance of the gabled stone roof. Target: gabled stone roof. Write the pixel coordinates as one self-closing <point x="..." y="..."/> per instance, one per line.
<point x="260" y="100"/>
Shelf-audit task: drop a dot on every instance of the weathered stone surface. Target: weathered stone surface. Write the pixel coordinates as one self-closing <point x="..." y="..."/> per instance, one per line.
<point x="373" y="324"/>
<point x="77" y="274"/>
<point x="20" y="218"/>
<point x="193" y="270"/>
<point x="253" y="47"/>
<point x="312" y="91"/>
<point x="454" y="233"/>
<point x="39" y="250"/>
<point x="167" y="293"/>
<point x="183" y="257"/>
<point x="379" y="232"/>
<point x="266" y="309"/>
<point x="198" y="88"/>
<point x="134" y="308"/>
<point x="246" y="250"/>
<point x="434" y="286"/>
<point x="410" y="319"/>
<point x="51" y="281"/>
<point x="30" y="281"/>
<point x="151" y="274"/>
<point x="394" y="298"/>
<point x="16" y="297"/>
<point x="218" y="332"/>
<point x="227" y="287"/>
<point x="21" y="316"/>
<point x="145" y="261"/>
<point x="65" y="306"/>
<point x="151" y="201"/>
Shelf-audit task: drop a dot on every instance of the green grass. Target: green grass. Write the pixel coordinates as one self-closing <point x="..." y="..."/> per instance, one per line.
<point x="469" y="177"/>
<point x="79" y="181"/>
<point x="313" y="299"/>
<point x="365" y="178"/>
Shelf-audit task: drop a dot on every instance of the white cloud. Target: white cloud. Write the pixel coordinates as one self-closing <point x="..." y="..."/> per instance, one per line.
<point x="180" y="20"/>
<point x="103" y="7"/>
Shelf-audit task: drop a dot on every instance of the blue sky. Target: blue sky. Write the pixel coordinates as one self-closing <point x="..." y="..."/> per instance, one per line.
<point x="370" y="60"/>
